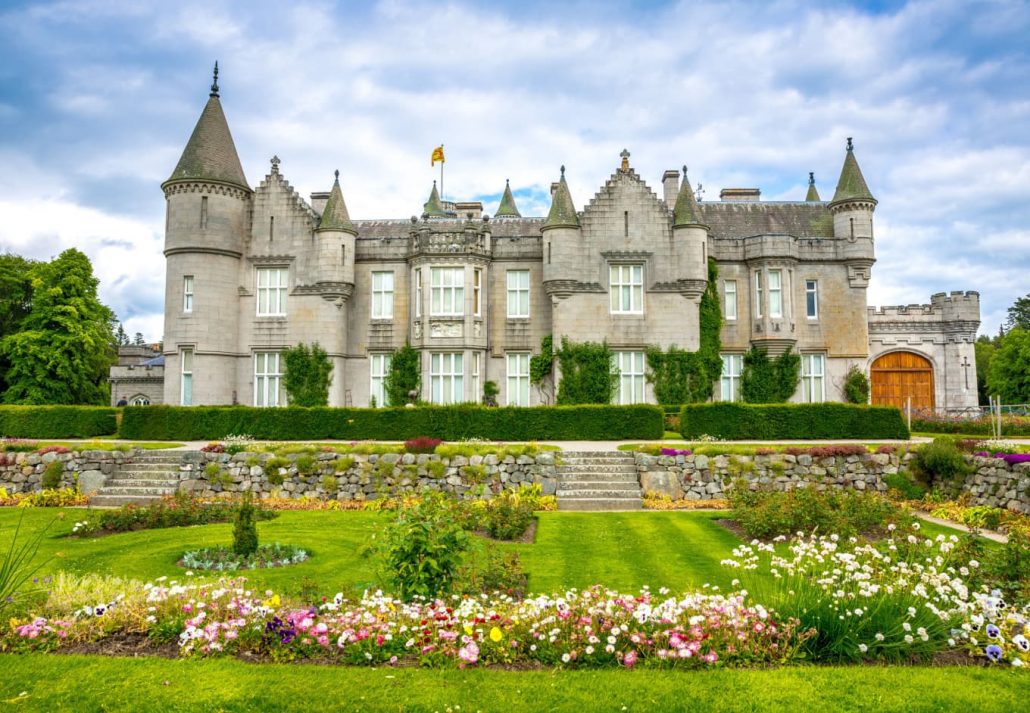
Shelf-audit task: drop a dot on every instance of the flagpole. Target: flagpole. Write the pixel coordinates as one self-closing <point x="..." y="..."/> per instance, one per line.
<point x="442" y="162"/>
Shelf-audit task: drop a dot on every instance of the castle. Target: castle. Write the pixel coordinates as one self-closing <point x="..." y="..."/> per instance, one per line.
<point x="253" y="270"/>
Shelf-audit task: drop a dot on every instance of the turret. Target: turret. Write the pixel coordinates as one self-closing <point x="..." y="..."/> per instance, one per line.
<point x="852" y="208"/>
<point x="813" y="194"/>
<point x="208" y="199"/>
<point x="335" y="236"/>
<point x="690" y="235"/>
<point x="562" y="238"/>
<point x="507" y="207"/>
<point x="434" y="206"/>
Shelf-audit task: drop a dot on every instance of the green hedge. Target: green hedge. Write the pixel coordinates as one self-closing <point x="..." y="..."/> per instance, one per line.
<point x="766" y="422"/>
<point x="587" y="423"/>
<point x="57" y="421"/>
<point x="1010" y="426"/>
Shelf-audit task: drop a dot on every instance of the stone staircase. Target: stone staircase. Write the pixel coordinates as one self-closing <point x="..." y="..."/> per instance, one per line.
<point x="598" y="480"/>
<point x="149" y="476"/>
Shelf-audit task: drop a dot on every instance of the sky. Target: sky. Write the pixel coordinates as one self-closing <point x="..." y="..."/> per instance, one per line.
<point x="98" y="98"/>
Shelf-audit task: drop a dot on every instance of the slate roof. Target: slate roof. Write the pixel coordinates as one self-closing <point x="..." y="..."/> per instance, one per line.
<point x="813" y="194"/>
<point x="686" y="211"/>
<point x="210" y="154"/>
<point x="851" y="185"/>
<point x="563" y="210"/>
<point x="507" y="208"/>
<point x="434" y="206"/>
<point x="377" y="229"/>
<point x="742" y="219"/>
<point x="334" y="215"/>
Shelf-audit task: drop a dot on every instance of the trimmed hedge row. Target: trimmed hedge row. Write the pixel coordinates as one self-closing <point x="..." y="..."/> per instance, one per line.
<point x="57" y="421"/>
<point x="975" y="426"/>
<point x="767" y="422"/>
<point x="450" y="423"/>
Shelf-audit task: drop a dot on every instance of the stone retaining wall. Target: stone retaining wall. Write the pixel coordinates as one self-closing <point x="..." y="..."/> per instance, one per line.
<point x="698" y="477"/>
<point x="23" y="472"/>
<point x="363" y="477"/>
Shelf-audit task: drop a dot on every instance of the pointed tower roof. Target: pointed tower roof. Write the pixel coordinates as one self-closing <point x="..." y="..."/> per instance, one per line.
<point x="210" y="154"/>
<point x="334" y="215"/>
<point x="851" y="185"/>
<point x="686" y="211"/>
<point x="434" y="206"/>
<point x="507" y="206"/>
<point x="813" y="194"/>
<point x="563" y="210"/>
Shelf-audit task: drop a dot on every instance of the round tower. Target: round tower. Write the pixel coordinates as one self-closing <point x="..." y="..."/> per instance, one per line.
<point x="852" y="208"/>
<point x="208" y="200"/>
<point x="562" y="238"/>
<point x="690" y="235"/>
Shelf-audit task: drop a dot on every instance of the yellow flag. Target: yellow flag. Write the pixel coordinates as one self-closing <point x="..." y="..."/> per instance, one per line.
<point x="437" y="155"/>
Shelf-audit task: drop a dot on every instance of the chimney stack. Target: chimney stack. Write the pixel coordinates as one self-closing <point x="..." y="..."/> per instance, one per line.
<point x="671" y="186"/>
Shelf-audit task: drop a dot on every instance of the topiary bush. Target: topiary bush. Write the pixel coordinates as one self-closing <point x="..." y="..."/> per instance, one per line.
<point x="244" y="528"/>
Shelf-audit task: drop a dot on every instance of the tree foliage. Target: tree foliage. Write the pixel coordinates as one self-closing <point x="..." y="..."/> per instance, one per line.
<point x="15" y="301"/>
<point x="985" y="347"/>
<point x="404" y="376"/>
<point x="308" y="375"/>
<point x="541" y="370"/>
<point x="1009" y="374"/>
<point x="63" y="349"/>
<point x="856" y="386"/>
<point x="587" y="374"/>
<point x="769" y="381"/>
<point x="1019" y="315"/>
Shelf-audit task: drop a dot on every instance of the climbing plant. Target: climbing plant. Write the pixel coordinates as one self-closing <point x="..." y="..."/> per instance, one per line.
<point x="541" y="369"/>
<point x="681" y="377"/>
<point x="856" y="386"/>
<point x="404" y="376"/>
<point x="587" y="374"/>
<point x="308" y="374"/>
<point x="769" y="381"/>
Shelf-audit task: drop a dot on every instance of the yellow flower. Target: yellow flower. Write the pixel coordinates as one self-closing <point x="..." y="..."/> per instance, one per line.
<point x="468" y="629"/>
<point x="273" y="601"/>
<point x="495" y="634"/>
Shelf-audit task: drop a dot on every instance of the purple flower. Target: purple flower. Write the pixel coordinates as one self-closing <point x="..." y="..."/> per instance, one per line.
<point x="993" y="631"/>
<point x="1013" y="458"/>
<point x="676" y="451"/>
<point x="994" y="652"/>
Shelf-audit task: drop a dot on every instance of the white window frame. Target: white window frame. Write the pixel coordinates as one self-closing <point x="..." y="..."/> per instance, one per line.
<point x="378" y="368"/>
<point x="812" y="299"/>
<point x="518" y="294"/>
<point x="729" y="379"/>
<point x="475" y="377"/>
<point x="418" y="293"/>
<point x="477" y="292"/>
<point x="517" y="373"/>
<point x="382" y="294"/>
<point x="775" y="279"/>
<point x="446" y="377"/>
<point x="813" y="378"/>
<point x="729" y="288"/>
<point x="268" y="379"/>
<point x="139" y="400"/>
<point x="186" y="377"/>
<point x="447" y="291"/>
<point x="758" y="294"/>
<point x="626" y="288"/>
<point x="632" y="368"/>
<point x="187" y="294"/>
<point x="271" y="296"/>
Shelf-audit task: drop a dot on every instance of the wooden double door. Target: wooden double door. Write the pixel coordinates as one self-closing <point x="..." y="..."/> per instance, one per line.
<point x="899" y="375"/>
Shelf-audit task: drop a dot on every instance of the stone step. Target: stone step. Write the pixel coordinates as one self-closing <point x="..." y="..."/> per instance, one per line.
<point x="576" y="485"/>
<point x="148" y="465"/>
<point x="121" y="482"/>
<point x="153" y="491"/>
<point x="610" y="458"/>
<point x="601" y="492"/>
<point x="144" y="475"/>
<point x="596" y="454"/>
<point x="598" y="475"/>
<point x="598" y="468"/>
<point x="115" y="501"/>
<point x="600" y="504"/>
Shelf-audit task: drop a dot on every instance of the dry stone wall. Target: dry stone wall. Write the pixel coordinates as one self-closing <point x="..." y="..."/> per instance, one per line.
<point x="89" y="470"/>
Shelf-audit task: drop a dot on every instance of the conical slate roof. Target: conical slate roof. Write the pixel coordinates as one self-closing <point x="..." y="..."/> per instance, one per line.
<point x="210" y="154"/>
<point x="851" y="185"/>
<point x="335" y="216"/>
<point x="563" y="211"/>
<point x="686" y="211"/>
<point x="507" y="206"/>
<point x="434" y="206"/>
<point x="813" y="194"/>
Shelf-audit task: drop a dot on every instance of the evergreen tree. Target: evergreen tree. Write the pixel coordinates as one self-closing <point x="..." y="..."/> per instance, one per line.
<point x="62" y="352"/>
<point x="15" y="301"/>
<point x="308" y="375"/>
<point x="138" y="340"/>
<point x="1019" y="314"/>
<point x="120" y="337"/>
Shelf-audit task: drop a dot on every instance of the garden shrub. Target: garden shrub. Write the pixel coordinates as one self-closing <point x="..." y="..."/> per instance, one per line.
<point x="404" y="376"/>
<point x="856" y="386"/>
<point x="489" y="569"/>
<point x="179" y="510"/>
<point x="308" y="375"/>
<point x="58" y="421"/>
<point x="422" y="444"/>
<point x="737" y="421"/>
<point x="244" y="529"/>
<point x="212" y="471"/>
<point x="452" y="423"/>
<point x="507" y="516"/>
<point x="766" y="514"/>
<point x="941" y="464"/>
<point x="769" y="381"/>
<point x="305" y="464"/>
<point x="329" y="483"/>
<point x="436" y="469"/>
<point x="52" y="475"/>
<point x="908" y="488"/>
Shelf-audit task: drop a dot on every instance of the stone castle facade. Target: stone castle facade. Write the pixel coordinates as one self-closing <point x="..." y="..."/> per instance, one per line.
<point x="253" y="270"/>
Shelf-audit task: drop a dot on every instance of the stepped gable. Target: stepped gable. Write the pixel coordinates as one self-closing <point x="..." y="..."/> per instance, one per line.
<point x="378" y="229"/>
<point x="626" y="175"/>
<point x="744" y="219"/>
<point x="275" y="180"/>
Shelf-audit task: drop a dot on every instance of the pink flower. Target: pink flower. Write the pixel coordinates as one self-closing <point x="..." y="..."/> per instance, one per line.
<point x="759" y="627"/>
<point x="630" y="659"/>
<point x="711" y="657"/>
<point x="469" y="653"/>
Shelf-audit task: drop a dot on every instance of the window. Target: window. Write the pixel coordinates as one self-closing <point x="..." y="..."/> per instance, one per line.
<point x="447" y="291"/>
<point x="139" y="401"/>
<point x="758" y="294"/>
<point x="203" y="213"/>
<point x="775" y="294"/>
<point x="730" y="293"/>
<point x="271" y="291"/>
<point x="418" y="292"/>
<point x="626" y="283"/>
<point x="518" y="380"/>
<point x="379" y="367"/>
<point x="187" y="293"/>
<point x="631" y="377"/>
<point x="812" y="299"/>
<point x="732" y="364"/>
<point x="475" y="377"/>
<point x="267" y="379"/>
<point x="813" y="383"/>
<point x="186" y="385"/>
<point x="382" y="295"/>
<point x="518" y="294"/>
<point x="446" y="382"/>
<point x="477" y="292"/>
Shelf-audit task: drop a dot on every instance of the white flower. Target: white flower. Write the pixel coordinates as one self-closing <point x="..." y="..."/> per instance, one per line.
<point x="879" y="636"/>
<point x="863" y="648"/>
<point x="565" y="658"/>
<point x="589" y="650"/>
<point x="908" y="638"/>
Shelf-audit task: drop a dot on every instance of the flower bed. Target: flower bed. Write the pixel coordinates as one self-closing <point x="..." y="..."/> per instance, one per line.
<point x="223" y="559"/>
<point x="179" y="510"/>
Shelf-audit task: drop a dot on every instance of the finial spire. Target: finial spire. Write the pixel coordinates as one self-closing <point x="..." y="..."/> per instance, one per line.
<point x="624" y="154"/>
<point x="851" y="146"/>
<point x="214" y="82"/>
<point x="684" y="170"/>
<point x="811" y="178"/>
<point x="275" y="165"/>
<point x="337" y="174"/>
<point x="563" y="170"/>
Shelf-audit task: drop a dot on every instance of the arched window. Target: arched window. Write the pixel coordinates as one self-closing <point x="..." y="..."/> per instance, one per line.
<point x="139" y="400"/>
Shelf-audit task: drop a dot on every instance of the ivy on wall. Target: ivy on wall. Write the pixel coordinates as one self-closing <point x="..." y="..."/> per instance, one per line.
<point x="541" y="370"/>
<point x="308" y="374"/>
<point x="769" y="381"/>
<point x="404" y="376"/>
<point x="681" y="377"/>
<point x="587" y="375"/>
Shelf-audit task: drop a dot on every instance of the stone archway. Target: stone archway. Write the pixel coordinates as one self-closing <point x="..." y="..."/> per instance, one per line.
<point x="897" y="376"/>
